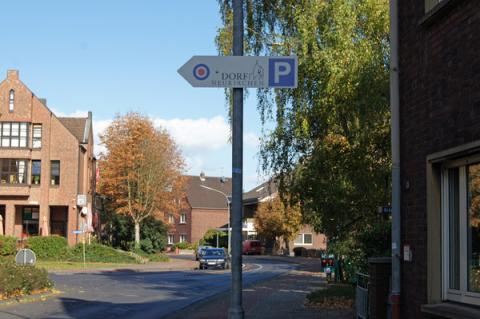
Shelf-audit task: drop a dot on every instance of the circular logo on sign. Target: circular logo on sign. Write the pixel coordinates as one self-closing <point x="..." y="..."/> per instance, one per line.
<point x="201" y="72"/>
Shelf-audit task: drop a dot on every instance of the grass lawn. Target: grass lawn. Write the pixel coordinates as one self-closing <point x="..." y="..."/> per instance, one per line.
<point x="73" y="265"/>
<point x="334" y="296"/>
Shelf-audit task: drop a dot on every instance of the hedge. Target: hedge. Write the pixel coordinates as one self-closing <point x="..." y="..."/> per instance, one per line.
<point x="49" y="247"/>
<point x="100" y="253"/>
<point x="8" y="246"/>
<point x="20" y="280"/>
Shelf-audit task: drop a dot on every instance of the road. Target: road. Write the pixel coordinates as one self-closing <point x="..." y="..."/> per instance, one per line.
<point x="136" y="294"/>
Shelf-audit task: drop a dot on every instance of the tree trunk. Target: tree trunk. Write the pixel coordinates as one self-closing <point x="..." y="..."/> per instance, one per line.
<point x="286" y="252"/>
<point x="137" y="234"/>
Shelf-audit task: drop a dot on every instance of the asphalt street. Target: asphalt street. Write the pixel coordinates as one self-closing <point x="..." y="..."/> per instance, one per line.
<point x="131" y="294"/>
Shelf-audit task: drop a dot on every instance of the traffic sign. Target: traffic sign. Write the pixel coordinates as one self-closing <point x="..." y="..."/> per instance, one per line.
<point x="78" y="231"/>
<point x="241" y="71"/>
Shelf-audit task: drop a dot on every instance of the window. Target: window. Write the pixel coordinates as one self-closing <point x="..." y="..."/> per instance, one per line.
<point x="303" y="239"/>
<point x="36" y="171"/>
<point x="461" y="232"/>
<point x="37" y="136"/>
<point x="183" y="218"/>
<point x="55" y="173"/>
<point x="171" y="239"/>
<point x="13" y="171"/>
<point x="14" y="134"/>
<point x="30" y="220"/>
<point x="171" y="219"/>
<point x="183" y="238"/>
<point x="11" y="101"/>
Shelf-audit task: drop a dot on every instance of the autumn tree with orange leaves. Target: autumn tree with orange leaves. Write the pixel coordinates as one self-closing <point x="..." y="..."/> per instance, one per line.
<point x="275" y="218"/>
<point x="141" y="170"/>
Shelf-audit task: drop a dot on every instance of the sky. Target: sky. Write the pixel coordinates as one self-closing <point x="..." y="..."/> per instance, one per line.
<point x="115" y="56"/>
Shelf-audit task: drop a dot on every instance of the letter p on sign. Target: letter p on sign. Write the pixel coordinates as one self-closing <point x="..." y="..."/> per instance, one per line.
<point x="282" y="72"/>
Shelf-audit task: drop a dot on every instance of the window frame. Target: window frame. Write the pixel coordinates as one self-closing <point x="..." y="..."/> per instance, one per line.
<point x="462" y="294"/>
<point x="37" y="139"/>
<point x="55" y="184"/>
<point x="170" y="242"/>
<point x="9" y="136"/>
<point x="11" y="101"/>
<point x="171" y="218"/>
<point x="303" y="240"/>
<point x="182" y="238"/>
<point x="183" y="218"/>
<point x="13" y="162"/>
<point x="34" y="175"/>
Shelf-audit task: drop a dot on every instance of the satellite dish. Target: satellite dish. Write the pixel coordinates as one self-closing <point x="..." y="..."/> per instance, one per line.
<point x="25" y="257"/>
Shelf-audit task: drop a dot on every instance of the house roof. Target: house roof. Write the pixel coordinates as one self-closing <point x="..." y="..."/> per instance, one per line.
<point x="76" y="126"/>
<point x="261" y="192"/>
<point x="200" y="197"/>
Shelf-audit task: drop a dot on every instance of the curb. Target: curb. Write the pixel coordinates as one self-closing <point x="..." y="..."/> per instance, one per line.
<point x="30" y="298"/>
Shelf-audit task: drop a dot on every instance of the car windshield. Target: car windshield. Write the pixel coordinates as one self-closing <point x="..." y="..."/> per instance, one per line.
<point x="214" y="252"/>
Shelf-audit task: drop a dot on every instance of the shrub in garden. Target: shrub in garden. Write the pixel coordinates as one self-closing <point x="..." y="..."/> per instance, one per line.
<point x="100" y="253"/>
<point x="20" y="280"/>
<point x="49" y="247"/>
<point x="7" y="246"/>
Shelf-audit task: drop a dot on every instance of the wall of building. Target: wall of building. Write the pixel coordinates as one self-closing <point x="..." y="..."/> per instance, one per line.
<point x="57" y="144"/>
<point x="205" y="219"/>
<point x="440" y="109"/>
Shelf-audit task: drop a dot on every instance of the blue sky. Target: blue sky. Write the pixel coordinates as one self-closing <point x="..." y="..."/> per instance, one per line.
<point x="117" y="56"/>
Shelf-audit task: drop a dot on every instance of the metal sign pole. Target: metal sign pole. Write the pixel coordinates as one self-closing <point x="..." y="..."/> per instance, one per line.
<point x="236" y="309"/>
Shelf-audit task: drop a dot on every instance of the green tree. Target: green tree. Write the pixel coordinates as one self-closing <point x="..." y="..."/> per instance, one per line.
<point x="330" y="140"/>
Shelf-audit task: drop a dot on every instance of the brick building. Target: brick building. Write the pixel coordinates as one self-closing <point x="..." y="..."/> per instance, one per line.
<point x="45" y="163"/>
<point x="439" y="69"/>
<point x="206" y="209"/>
<point x="306" y="237"/>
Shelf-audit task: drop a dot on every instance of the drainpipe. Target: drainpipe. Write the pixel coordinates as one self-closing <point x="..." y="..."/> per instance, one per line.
<point x="396" y="184"/>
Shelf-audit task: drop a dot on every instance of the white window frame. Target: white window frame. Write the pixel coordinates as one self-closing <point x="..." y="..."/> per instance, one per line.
<point x="171" y="219"/>
<point x="462" y="295"/>
<point x="303" y="240"/>
<point x="11" y="100"/>
<point x="183" y="218"/>
<point x="183" y="238"/>
<point x="170" y="239"/>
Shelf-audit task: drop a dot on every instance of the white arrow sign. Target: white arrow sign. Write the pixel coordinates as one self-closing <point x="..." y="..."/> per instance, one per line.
<point x="241" y="71"/>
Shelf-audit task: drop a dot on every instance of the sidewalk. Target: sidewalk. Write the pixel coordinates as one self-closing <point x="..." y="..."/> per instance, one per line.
<point x="281" y="297"/>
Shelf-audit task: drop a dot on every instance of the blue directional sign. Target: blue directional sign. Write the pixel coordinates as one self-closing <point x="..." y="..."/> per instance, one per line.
<point x="241" y="71"/>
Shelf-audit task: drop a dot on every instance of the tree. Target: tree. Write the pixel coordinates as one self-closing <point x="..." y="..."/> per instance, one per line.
<point x="275" y="219"/>
<point x="141" y="170"/>
<point x="330" y="142"/>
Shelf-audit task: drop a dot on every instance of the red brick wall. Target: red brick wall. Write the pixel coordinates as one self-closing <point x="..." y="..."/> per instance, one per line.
<point x="440" y="109"/>
<point x="205" y="219"/>
<point x="57" y="144"/>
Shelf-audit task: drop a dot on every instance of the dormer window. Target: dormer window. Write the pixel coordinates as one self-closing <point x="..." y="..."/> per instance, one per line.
<point x="11" y="100"/>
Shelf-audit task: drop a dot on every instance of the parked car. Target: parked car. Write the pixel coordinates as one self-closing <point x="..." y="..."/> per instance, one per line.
<point x="252" y="247"/>
<point x="214" y="258"/>
<point x="200" y="251"/>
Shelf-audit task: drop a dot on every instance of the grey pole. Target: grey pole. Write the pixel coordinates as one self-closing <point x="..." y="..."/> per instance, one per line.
<point x="396" y="186"/>
<point x="236" y="309"/>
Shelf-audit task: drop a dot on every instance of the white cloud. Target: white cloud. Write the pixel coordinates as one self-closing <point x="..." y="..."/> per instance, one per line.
<point x="251" y="139"/>
<point x="197" y="134"/>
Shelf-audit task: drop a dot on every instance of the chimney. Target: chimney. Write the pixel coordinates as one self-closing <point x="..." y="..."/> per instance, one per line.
<point x="12" y="74"/>
<point x="43" y="101"/>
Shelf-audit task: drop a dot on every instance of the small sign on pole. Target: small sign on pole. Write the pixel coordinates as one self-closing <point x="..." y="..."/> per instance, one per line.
<point x="241" y="71"/>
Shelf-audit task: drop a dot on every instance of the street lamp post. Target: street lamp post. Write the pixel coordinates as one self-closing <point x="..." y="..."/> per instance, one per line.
<point x="228" y="207"/>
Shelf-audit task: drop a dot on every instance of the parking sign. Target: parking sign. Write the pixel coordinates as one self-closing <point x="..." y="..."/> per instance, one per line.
<point x="241" y="71"/>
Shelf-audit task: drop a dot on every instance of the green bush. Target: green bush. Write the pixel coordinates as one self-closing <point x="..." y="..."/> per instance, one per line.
<point x="119" y="231"/>
<point x="8" y="246"/>
<point x="20" y="280"/>
<point x="183" y="245"/>
<point x="49" y="247"/>
<point x="100" y="253"/>
<point x="147" y="246"/>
